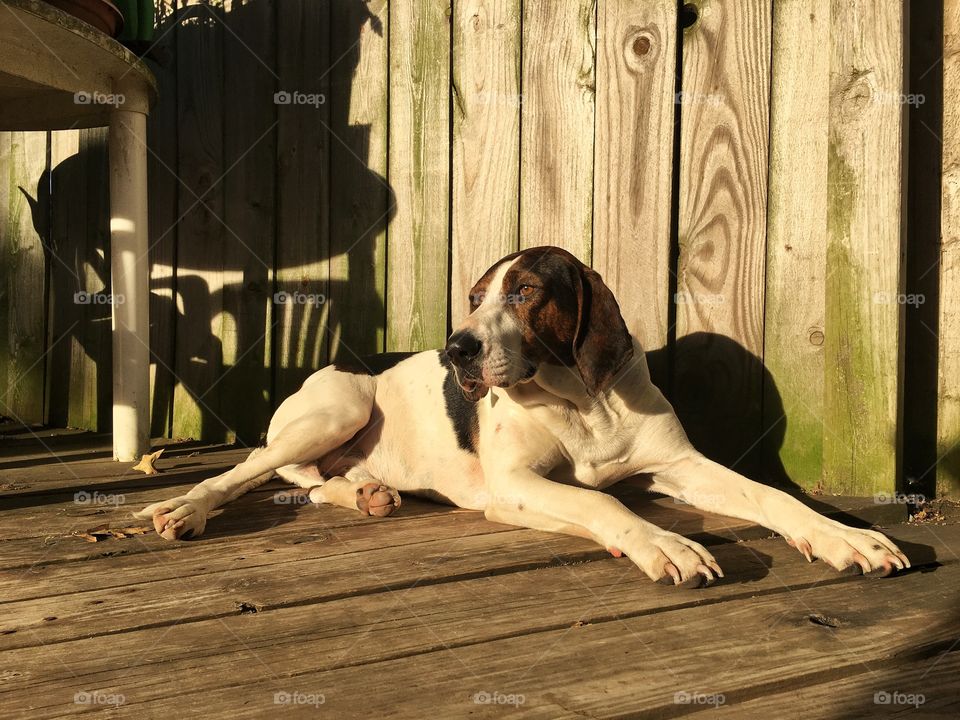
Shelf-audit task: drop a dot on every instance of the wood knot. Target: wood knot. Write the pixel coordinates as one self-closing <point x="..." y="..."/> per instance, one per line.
<point x="816" y="337"/>
<point x="640" y="47"/>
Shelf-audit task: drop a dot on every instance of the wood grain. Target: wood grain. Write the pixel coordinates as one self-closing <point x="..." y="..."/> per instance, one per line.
<point x="362" y="203"/>
<point x="23" y="159"/>
<point x="722" y="226"/>
<point x="419" y="175"/>
<point x="863" y="315"/>
<point x="948" y="406"/>
<point x="796" y="244"/>
<point x="636" y="62"/>
<point x="486" y="141"/>
<point x="557" y="125"/>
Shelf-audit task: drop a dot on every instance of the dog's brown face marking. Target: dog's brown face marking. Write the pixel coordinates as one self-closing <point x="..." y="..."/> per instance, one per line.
<point x="541" y="289"/>
<point x="537" y="306"/>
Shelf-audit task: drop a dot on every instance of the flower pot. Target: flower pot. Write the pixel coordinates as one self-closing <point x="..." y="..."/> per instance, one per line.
<point x="101" y="14"/>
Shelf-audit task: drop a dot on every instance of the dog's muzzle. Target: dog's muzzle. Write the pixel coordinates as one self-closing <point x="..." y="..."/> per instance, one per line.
<point x="464" y="350"/>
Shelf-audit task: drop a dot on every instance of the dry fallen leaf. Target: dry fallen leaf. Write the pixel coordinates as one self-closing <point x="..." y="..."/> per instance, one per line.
<point x="146" y="464"/>
<point x="102" y="532"/>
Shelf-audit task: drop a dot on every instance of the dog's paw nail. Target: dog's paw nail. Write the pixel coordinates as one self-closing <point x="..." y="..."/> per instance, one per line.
<point x="671" y="575"/>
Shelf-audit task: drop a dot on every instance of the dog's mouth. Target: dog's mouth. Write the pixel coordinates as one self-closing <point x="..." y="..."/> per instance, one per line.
<point x="472" y="388"/>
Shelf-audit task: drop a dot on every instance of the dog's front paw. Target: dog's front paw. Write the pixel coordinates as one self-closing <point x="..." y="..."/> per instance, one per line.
<point x="178" y="518"/>
<point x="669" y="558"/>
<point x="842" y="547"/>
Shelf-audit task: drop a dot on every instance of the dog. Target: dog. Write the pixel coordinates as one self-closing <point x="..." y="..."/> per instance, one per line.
<point x="540" y="400"/>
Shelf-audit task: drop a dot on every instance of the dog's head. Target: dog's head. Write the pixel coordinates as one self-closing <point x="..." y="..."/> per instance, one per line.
<point x="538" y="306"/>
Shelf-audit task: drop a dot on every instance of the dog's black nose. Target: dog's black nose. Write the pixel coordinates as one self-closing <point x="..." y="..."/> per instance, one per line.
<point x="463" y="347"/>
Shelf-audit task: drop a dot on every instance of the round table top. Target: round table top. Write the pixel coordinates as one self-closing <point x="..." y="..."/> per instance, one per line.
<point x="57" y="72"/>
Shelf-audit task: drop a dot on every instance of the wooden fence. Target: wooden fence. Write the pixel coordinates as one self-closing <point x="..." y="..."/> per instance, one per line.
<point x="328" y="178"/>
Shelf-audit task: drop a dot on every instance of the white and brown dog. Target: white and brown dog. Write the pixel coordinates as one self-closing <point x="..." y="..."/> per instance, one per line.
<point x="540" y="400"/>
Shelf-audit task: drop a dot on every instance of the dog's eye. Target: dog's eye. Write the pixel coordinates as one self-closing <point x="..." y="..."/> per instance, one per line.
<point x="525" y="290"/>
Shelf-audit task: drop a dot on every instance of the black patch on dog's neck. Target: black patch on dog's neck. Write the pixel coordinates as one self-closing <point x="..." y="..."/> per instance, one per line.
<point x="462" y="412"/>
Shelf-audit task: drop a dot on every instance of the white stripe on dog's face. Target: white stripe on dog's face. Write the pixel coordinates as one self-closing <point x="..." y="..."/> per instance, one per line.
<point x="500" y="363"/>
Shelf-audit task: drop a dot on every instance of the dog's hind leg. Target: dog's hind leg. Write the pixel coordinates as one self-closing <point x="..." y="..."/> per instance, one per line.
<point x="315" y="421"/>
<point x="357" y="489"/>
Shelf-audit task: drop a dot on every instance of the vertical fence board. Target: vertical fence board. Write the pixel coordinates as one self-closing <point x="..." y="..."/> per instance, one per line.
<point x="722" y="229"/>
<point x="66" y="321"/>
<point x="303" y="192"/>
<point x="164" y="188"/>
<point x="361" y="201"/>
<point x="486" y="141"/>
<point x="23" y="159"/>
<point x="250" y="114"/>
<point x="557" y="125"/>
<point x="796" y="243"/>
<point x="948" y="425"/>
<point x="79" y="364"/>
<point x="636" y="63"/>
<point x="419" y="174"/>
<point x="200" y="235"/>
<point x="862" y="359"/>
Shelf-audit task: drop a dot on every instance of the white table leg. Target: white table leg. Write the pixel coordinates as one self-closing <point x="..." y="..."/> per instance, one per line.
<point x="129" y="267"/>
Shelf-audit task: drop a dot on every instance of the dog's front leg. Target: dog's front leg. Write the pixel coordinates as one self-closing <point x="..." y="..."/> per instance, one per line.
<point x="710" y="486"/>
<point x="519" y="496"/>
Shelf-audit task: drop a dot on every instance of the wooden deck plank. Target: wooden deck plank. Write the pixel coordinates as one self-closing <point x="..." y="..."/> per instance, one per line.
<point x="935" y="678"/>
<point x="874" y="626"/>
<point x="425" y="618"/>
<point x="470" y="547"/>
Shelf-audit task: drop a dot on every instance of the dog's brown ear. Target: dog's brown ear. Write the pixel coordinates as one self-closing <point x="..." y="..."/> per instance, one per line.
<point x="603" y="344"/>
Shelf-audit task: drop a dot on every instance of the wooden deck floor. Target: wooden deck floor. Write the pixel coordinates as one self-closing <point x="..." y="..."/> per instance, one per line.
<point x="283" y="607"/>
